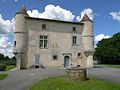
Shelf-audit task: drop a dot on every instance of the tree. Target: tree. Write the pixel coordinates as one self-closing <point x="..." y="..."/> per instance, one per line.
<point x="1" y="56"/>
<point x="108" y="50"/>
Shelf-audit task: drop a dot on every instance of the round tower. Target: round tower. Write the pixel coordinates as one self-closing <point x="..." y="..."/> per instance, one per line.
<point x="88" y="39"/>
<point x="20" y="38"/>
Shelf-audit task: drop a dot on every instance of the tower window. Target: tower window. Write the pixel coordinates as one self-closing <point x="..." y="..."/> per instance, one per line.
<point x="55" y="57"/>
<point x="43" y="26"/>
<point x="14" y="43"/>
<point x="74" y="40"/>
<point x="74" y="28"/>
<point x="43" y="41"/>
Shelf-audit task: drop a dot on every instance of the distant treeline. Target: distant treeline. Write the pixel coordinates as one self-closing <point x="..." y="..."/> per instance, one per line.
<point x="6" y="60"/>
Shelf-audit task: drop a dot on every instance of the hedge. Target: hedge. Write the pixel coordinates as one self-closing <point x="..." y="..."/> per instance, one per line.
<point x="2" y="67"/>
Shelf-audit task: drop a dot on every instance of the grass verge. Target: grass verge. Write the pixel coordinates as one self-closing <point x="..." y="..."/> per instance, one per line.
<point x="61" y="83"/>
<point x="9" y="67"/>
<point x="110" y="65"/>
<point x="3" y="76"/>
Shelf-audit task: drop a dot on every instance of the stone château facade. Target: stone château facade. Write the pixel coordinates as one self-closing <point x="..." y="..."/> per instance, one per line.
<point x="52" y="43"/>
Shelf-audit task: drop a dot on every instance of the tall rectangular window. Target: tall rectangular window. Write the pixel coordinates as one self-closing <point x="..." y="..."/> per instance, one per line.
<point x="43" y="41"/>
<point x="74" y="40"/>
<point x="14" y="43"/>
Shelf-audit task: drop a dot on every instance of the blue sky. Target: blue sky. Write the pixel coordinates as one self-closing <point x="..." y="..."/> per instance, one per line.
<point x="105" y="14"/>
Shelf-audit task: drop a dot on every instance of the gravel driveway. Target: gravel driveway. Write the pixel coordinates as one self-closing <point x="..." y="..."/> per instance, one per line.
<point x="19" y="80"/>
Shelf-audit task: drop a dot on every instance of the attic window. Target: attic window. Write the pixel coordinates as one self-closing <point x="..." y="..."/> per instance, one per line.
<point x="74" y="28"/>
<point x="43" y="26"/>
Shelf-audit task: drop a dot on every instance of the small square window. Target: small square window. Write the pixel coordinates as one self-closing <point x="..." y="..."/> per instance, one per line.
<point x="43" y="26"/>
<point x="74" y="28"/>
<point x="55" y="57"/>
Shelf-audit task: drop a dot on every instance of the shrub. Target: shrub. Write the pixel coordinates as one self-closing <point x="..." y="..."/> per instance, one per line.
<point x="2" y="67"/>
<point x="8" y="62"/>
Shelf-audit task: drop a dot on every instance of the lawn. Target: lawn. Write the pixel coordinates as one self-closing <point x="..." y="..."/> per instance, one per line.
<point x="3" y="76"/>
<point x="61" y="83"/>
<point x="9" y="67"/>
<point x="113" y="66"/>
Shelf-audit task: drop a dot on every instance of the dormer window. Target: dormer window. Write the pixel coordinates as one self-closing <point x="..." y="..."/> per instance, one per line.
<point x="43" y="26"/>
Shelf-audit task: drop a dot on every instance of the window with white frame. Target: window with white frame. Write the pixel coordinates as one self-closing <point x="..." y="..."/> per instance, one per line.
<point x="43" y="41"/>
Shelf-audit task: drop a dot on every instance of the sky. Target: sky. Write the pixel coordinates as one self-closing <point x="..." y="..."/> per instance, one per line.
<point x="104" y="13"/>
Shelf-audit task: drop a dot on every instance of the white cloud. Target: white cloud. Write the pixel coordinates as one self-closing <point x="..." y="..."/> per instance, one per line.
<point x="3" y="42"/>
<point x="100" y="37"/>
<point x="6" y="26"/>
<point x="88" y="11"/>
<point x="6" y="47"/>
<point x="16" y="0"/>
<point x="53" y="12"/>
<point x="115" y="15"/>
<point x="6" y="29"/>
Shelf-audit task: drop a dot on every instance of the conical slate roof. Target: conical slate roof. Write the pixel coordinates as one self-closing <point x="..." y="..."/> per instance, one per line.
<point x="85" y="18"/>
<point x="22" y="10"/>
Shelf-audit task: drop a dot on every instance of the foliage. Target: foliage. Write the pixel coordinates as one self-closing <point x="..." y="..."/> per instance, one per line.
<point x="6" y="60"/>
<point x="3" y="76"/>
<point x="61" y="83"/>
<point x="108" y="50"/>
<point x="2" y="67"/>
<point x="7" y="63"/>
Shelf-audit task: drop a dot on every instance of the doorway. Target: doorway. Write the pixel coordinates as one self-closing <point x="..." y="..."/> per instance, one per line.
<point x="37" y="61"/>
<point x="66" y="61"/>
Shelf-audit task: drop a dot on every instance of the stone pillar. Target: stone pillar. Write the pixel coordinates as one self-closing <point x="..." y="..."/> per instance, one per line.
<point x="89" y="56"/>
<point x="18" y="62"/>
<point x="90" y="61"/>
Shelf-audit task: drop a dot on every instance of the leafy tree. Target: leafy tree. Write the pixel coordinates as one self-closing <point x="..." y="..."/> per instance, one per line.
<point x="108" y="50"/>
<point x="1" y="56"/>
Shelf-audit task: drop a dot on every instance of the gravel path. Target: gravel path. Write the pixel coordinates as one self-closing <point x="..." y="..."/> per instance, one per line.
<point x="19" y="80"/>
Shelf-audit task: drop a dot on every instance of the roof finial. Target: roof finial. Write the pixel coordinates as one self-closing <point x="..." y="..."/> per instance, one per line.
<point x="22" y="9"/>
<point x="85" y="18"/>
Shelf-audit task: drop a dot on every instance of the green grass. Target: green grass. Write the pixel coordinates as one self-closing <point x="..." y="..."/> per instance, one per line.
<point x="3" y="76"/>
<point x="9" y="67"/>
<point x="113" y="66"/>
<point x="61" y="83"/>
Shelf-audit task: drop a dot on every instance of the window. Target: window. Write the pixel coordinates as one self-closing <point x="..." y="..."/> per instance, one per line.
<point x="43" y="26"/>
<point x="43" y="41"/>
<point x="74" y="28"/>
<point x="74" y="40"/>
<point x="55" y="57"/>
<point x="79" y="54"/>
<point x="14" y="43"/>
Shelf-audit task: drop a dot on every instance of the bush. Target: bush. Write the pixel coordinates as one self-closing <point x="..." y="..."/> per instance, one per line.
<point x="2" y="67"/>
<point x="8" y="62"/>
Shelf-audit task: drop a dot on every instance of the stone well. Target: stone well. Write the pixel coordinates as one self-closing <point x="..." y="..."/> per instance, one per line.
<point x="76" y="74"/>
